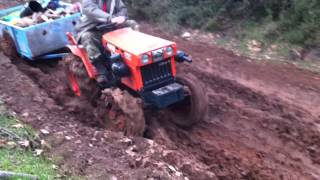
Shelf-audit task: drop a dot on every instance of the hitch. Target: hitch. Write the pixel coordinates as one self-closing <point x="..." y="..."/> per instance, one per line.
<point x="183" y="57"/>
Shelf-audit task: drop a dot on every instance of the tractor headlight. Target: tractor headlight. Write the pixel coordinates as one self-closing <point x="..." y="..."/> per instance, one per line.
<point x="158" y="55"/>
<point x="145" y="59"/>
<point x="169" y="51"/>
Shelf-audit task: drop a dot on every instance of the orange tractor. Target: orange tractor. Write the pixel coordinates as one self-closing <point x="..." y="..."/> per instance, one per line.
<point x="141" y="74"/>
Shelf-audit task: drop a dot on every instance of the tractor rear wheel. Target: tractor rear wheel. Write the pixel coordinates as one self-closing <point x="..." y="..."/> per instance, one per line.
<point x="78" y="81"/>
<point x="119" y="111"/>
<point x="194" y="107"/>
<point x="8" y="46"/>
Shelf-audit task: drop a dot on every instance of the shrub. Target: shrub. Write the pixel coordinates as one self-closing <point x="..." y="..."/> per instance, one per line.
<point x="298" y="21"/>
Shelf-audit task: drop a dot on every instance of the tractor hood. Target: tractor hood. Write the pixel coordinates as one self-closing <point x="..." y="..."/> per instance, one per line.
<point x="135" y="42"/>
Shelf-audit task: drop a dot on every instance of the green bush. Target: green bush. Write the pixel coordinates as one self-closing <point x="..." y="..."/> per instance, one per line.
<point x="301" y="23"/>
<point x="296" y="21"/>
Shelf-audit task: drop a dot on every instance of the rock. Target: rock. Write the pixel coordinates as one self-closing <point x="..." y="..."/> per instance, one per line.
<point x="26" y="114"/>
<point x="68" y="138"/>
<point x="186" y="35"/>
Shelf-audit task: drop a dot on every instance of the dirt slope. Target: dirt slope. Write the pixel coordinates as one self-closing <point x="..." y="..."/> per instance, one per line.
<point x="262" y="116"/>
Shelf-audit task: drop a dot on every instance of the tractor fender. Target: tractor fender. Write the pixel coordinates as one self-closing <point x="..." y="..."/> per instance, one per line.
<point x="82" y="54"/>
<point x="75" y="50"/>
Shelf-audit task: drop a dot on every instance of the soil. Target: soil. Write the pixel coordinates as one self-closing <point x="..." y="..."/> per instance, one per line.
<point x="263" y="121"/>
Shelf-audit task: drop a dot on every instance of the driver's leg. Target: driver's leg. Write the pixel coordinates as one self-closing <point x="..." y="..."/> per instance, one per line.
<point x="91" y="41"/>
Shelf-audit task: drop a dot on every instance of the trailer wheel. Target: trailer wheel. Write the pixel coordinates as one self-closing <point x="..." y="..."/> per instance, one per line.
<point x="194" y="107"/>
<point x="8" y="46"/>
<point x="77" y="79"/>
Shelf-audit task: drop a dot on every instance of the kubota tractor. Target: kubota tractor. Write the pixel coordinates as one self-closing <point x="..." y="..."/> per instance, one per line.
<point x="142" y="73"/>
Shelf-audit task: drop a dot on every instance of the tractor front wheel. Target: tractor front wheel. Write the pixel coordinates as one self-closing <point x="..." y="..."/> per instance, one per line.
<point x="119" y="111"/>
<point x="194" y="106"/>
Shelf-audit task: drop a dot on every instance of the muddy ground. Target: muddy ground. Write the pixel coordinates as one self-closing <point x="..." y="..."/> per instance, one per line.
<point x="263" y="122"/>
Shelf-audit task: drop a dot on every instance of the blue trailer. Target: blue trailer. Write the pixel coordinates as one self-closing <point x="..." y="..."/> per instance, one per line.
<point x="41" y="40"/>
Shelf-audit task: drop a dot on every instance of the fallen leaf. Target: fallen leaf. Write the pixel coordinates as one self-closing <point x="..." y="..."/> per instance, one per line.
<point x="43" y="142"/>
<point x="11" y="144"/>
<point x="24" y="143"/>
<point x="44" y="131"/>
<point x="38" y="152"/>
<point x="68" y="138"/>
<point x="18" y="126"/>
<point x="172" y="168"/>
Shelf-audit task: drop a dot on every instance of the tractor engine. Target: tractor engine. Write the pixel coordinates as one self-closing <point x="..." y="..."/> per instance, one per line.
<point x="146" y="64"/>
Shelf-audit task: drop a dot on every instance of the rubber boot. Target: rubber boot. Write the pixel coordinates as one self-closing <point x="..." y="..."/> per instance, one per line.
<point x="101" y="77"/>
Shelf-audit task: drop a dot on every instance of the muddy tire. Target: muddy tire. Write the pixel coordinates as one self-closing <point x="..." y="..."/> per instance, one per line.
<point x="76" y="72"/>
<point x="119" y="111"/>
<point x="8" y="46"/>
<point x="195" y="105"/>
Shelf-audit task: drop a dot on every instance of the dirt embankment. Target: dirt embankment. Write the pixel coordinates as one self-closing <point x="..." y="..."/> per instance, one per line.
<point x="263" y="122"/>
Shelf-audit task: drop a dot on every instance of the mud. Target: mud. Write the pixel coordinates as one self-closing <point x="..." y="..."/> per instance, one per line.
<point x="263" y="121"/>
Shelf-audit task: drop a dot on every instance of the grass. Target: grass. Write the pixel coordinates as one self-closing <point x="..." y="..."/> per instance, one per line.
<point x="25" y="162"/>
<point x="9" y="122"/>
<point x="19" y="160"/>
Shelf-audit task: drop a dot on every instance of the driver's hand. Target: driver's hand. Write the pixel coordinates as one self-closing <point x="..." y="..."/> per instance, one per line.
<point x="118" y="20"/>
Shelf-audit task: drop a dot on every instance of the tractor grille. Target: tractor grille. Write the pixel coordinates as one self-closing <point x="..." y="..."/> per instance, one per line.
<point x="156" y="73"/>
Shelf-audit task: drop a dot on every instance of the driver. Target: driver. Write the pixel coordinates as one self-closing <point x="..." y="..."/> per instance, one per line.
<point x="97" y="12"/>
